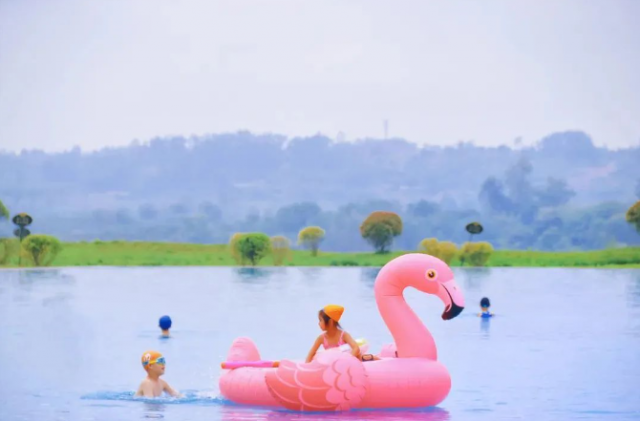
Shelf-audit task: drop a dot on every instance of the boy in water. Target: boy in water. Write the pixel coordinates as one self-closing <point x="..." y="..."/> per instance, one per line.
<point x="484" y="306"/>
<point x="165" y="324"/>
<point x="153" y="386"/>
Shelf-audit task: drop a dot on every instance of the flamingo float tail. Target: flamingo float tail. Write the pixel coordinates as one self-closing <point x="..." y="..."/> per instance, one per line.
<point x="243" y="349"/>
<point x="245" y="385"/>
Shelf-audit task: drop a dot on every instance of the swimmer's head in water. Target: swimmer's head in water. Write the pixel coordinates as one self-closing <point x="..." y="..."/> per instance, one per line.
<point x="485" y="303"/>
<point x="165" y="323"/>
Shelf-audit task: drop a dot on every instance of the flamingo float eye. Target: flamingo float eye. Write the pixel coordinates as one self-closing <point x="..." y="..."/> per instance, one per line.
<point x="431" y="274"/>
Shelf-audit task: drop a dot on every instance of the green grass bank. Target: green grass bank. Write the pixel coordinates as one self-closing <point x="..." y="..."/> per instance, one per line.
<point x="125" y="253"/>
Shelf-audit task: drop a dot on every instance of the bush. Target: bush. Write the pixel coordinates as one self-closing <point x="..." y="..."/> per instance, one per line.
<point x="476" y="254"/>
<point x="40" y="249"/>
<point x="429" y="246"/>
<point x="310" y="238"/>
<point x="448" y="251"/>
<point x="8" y="248"/>
<point x="443" y="250"/>
<point x="251" y="247"/>
<point x="233" y="247"/>
<point x="280" y="249"/>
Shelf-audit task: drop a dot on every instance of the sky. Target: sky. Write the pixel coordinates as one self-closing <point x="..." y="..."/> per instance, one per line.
<point x="103" y="73"/>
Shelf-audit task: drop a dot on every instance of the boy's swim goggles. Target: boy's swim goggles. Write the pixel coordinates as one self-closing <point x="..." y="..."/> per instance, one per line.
<point x="160" y="361"/>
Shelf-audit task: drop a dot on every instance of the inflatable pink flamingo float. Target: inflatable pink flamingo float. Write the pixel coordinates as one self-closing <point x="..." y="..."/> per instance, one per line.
<point x="338" y="381"/>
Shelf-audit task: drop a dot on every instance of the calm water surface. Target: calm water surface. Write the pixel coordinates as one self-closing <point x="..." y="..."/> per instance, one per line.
<point x="565" y="343"/>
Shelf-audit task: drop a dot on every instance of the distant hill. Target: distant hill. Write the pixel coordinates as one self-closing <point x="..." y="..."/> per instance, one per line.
<point x="136" y="191"/>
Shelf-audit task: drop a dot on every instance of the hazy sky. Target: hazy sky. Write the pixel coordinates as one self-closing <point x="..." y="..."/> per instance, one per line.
<point x="104" y="72"/>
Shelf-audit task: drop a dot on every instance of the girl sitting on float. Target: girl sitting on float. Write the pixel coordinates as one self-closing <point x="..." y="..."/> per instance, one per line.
<point x="333" y="335"/>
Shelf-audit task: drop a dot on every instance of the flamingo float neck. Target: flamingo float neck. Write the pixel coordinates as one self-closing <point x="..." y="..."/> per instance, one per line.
<point x="411" y="336"/>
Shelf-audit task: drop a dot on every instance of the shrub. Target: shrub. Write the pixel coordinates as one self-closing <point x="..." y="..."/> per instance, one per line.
<point x="8" y="248"/>
<point x="280" y="249"/>
<point x="476" y="254"/>
<point x="443" y="250"/>
<point x="233" y="247"/>
<point x="40" y="249"/>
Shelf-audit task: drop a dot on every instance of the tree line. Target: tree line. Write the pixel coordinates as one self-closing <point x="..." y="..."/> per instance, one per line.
<point x="242" y="171"/>
<point x="379" y="229"/>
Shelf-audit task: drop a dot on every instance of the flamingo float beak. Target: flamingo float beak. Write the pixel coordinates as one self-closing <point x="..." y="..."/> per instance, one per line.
<point x="452" y="298"/>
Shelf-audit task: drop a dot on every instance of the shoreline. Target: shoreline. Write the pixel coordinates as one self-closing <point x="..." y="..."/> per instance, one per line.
<point x="155" y="254"/>
<point x="15" y="268"/>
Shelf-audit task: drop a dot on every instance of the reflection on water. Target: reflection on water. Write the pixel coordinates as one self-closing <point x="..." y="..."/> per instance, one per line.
<point x="633" y="290"/>
<point x="252" y="275"/>
<point x="154" y="410"/>
<point x="230" y="412"/>
<point x="474" y="277"/>
<point x="57" y="299"/>
<point x="57" y="276"/>
<point x="484" y="327"/>
<point x="368" y="275"/>
<point x="471" y="278"/>
<point x="28" y="280"/>
<point x="311" y="273"/>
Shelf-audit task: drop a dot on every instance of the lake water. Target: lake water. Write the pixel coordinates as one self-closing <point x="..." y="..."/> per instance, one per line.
<point x="565" y="343"/>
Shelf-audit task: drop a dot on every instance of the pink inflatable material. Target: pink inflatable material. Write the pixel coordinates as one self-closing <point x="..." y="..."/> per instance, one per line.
<point x="230" y="365"/>
<point x="410" y="376"/>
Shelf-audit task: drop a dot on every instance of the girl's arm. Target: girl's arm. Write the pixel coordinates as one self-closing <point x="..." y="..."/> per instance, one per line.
<point x="314" y="349"/>
<point x="355" y="349"/>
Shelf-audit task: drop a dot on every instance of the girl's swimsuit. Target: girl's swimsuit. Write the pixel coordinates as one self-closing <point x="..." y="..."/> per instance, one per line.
<point x="366" y="357"/>
<point x="326" y="344"/>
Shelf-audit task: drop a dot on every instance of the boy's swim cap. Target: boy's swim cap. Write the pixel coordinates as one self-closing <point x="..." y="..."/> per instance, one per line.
<point x="334" y="312"/>
<point x="152" y="357"/>
<point x="165" y="322"/>
<point x="485" y="302"/>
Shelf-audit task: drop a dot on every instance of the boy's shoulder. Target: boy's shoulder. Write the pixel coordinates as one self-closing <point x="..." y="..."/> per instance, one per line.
<point x="145" y="384"/>
<point x="146" y="381"/>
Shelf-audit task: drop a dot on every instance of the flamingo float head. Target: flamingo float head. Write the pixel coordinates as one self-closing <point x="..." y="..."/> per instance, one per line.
<point x="425" y="273"/>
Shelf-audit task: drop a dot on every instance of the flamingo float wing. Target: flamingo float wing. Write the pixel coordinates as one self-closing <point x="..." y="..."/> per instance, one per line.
<point x="333" y="381"/>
